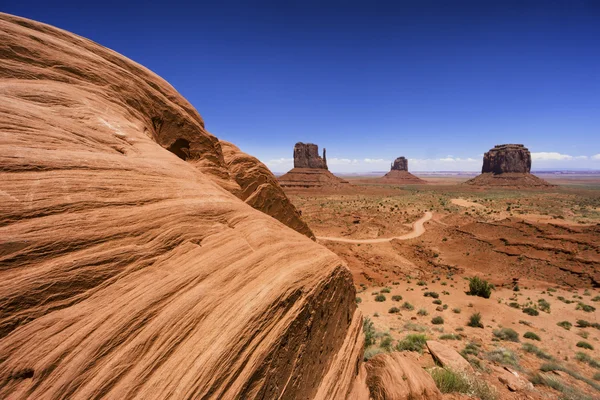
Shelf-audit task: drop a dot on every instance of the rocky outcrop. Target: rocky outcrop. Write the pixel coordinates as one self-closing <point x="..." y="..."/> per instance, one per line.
<point x="507" y="158"/>
<point x="448" y="357"/>
<point x="400" y="164"/>
<point x="399" y="174"/>
<point x="394" y="376"/>
<point x="260" y="189"/>
<point x="507" y="165"/>
<point x="129" y="266"/>
<point x="306" y="155"/>
<point x="310" y="170"/>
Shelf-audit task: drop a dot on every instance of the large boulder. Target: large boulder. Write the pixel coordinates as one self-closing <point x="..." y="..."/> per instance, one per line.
<point x="129" y="265"/>
<point x="448" y="357"/>
<point x="507" y="158"/>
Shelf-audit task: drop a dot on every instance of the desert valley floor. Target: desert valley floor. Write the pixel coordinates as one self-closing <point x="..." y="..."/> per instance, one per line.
<point x="540" y="248"/>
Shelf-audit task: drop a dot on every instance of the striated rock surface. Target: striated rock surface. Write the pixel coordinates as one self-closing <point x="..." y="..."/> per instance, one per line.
<point x="129" y="265"/>
<point x="507" y="165"/>
<point x="306" y="155"/>
<point x="310" y="170"/>
<point x="399" y="174"/>
<point x="503" y="158"/>
<point x="260" y="189"/>
<point x="394" y="376"/>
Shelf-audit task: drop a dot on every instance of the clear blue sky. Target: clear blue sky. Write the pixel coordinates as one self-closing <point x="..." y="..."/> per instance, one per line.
<point x="439" y="82"/>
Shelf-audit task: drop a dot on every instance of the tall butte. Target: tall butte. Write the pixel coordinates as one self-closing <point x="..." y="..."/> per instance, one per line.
<point x="507" y="165"/>
<point x="310" y="170"/>
<point x="399" y="173"/>
<point x="143" y="258"/>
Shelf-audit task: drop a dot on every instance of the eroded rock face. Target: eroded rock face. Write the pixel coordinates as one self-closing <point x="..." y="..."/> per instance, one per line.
<point x="400" y="164"/>
<point x="129" y="265"/>
<point x="306" y="155"/>
<point x="507" y="158"/>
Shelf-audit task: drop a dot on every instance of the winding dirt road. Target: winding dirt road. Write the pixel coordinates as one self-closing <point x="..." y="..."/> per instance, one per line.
<point x="418" y="230"/>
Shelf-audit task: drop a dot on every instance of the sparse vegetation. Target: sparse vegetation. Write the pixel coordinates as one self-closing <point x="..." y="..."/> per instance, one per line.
<point x="437" y="320"/>
<point x="503" y="356"/>
<point x="565" y="324"/>
<point x="479" y="287"/>
<point x="450" y="336"/>
<point x="449" y="381"/>
<point x="583" y="357"/>
<point x="408" y="306"/>
<point x="385" y="290"/>
<point x="530" y="348"/>
<point x="544" y="305"/>
<point x="394" y="310"/>
<point x="531" y="311"/>
<point x="475" y="320"/>
<point x="584" y="345"/>
<point x="532" y="336"/>
<point x="422" y="312"/>
<point x="396" y="297"/>
<point x="413" y="342"/>
<point x="380" y="298"/>
<point x="581" y="323"/>
<point x="456" y="310"/>
<point x="435" y="295"/>
<point x="585" y="307"/>
<point x="508" y="334"/>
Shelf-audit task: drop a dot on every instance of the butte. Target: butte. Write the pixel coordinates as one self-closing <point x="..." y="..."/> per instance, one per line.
<point x="399" y="173"/>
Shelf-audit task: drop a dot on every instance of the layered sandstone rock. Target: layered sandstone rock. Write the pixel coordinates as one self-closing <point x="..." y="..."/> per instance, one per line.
<point x="399" y="174"/>
<point x="310" y="170"/>
<point x="129" y="265"/>
<point x="507" y="165"/>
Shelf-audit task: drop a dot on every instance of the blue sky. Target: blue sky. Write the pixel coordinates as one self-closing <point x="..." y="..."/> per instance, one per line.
<point x="439" y="82"/>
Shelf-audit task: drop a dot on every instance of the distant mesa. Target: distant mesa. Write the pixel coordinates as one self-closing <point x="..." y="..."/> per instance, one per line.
<point x="310" y="170"/>
<point x="399" y="173"/>
<point x="507" y="165"/>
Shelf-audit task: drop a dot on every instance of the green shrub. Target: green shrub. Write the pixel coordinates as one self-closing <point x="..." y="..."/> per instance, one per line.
<point x="597" y="376"/>
<point x="408" y="306"/>
<point x="435" y="295"/>
<point x="585" y="345"/>
<point x="372" y="352"/>
<point x="530" y="348"/>
<point x="532" y="336"/>
<point x="565" y="324"/>
<point x="456" y="310"/>
<point x="450" y="336"/>
<point x="422" y="312"/>
<point x="437" y="320"/>
<point x="544" y="305"/>
<point x="385" y="290"/>
<point x="585" y="307"/>
<point x="503" y="356"/>
<point x="583" y="357"/>
<point x="581" y="323"/>
<point x="479" y="287"/>
<point x="514" y="305"/>
<point x="394" y="310"/>
<point x="358" y="300"/>
<point x="413" y="342"/>
<point x="437" y="301"/>
<point x="369" y="331"/>
<point x="531" y="311"/>
<point x="506" y="334"/>
<point x="421" y="283"/>
<point x="380" y="298"/>
<point x="449" y="381"/>
<point x="396" y="297"/>
<point x="386" y="342"/>
<point x="597" y="298"/>
<point x="475" y="320"/>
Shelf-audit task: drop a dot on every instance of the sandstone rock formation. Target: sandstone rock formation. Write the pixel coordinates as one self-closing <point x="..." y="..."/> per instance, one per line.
<point x="310" y="170"/>
<point x="399" y="174"/>
<point x="307" y="156"/>
<point x="448" y="357"/>
<point x="507" y="165"/>
<point x="129" y="265"/>
<point x="260" y="189"/>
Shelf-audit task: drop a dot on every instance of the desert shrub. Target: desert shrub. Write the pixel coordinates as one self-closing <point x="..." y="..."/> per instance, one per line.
<point x="583" y="357"/>
<point x="508" y="334"/>
<point x="409" y="326"/>
<point x="597" y="298"/>
<point x="358" y="300"/>
<point x="585" y="307"/>
<point x="408" y="306"/>
<point x="514" y="305"/>
<point x="555" y="367"/>
<point x="449" y="381"/>
<point x="544" y="305"/>
<point x="504" y="356"/>
<point x="380" y="298"/>
<point x="437" y="320"/>
<point x="394" y="310"/>
<point x="422" y="312"/>
<point x="596" y="376"/>
<point x="531" y="311"/>
<point x="475" y="320"/>
<point x="479" y="287"/>
<point x="369" y="331"/>
<point x="396" y="297"/>
<point x="372" y="352"/>
<point x="435" y="295"/>
<point x="530" y="348"/>
<point x="450" y="336"/>
<point x="532" y="336"/>
<point x="421" y="283"/>
<point x="456" y="310"/>
<point x="565" y="324"/>
<point x="413" y="342"/>
<point x="470" y="349"/>
<point x="437" y="301"/>
<point x="581" y="323"/>
<point x="584" y="345"/>
<point x="386" y="342"/>
<point x="386" y="290"/>
<point x="526" y="323"/>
